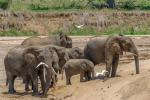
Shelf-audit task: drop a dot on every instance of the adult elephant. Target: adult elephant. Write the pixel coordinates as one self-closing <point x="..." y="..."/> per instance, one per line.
<point x="59" y="59"/>
<point x="23" y="62"/>
<point x="108" y="50"/>
<point x="59" y="40"/>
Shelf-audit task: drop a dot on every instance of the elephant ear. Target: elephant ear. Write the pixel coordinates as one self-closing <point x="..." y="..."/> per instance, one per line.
<point x="30" y="59"/>
<point x="116" y="49"/>
<point x="111" y="42"/>
<point x="32" y="50"/>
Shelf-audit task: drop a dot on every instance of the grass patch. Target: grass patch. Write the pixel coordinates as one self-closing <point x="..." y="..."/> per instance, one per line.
<point x="85" y="31"/>
<point x="14" y="32"/>
<point x="109" y="31"/>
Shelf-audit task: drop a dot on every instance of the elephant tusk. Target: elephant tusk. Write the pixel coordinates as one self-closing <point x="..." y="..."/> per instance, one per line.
<point x="44" y="74"/>
<point x="41" y="63"/>
<point x="44" y="69"/>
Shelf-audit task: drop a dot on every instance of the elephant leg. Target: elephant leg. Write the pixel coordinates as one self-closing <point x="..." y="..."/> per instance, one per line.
<point x="68" y="80"/>
<point x="85" y="75"/>
<point x="109" y="70"/>
<point x="109" y="65"/>
<point x="60" y="71"/>
<point x="42" y="82"/>
<point x="34" y="79"/>
<point x="114" y="65"/>
<point x="93" y="73"/>
<point x="27" y="82"/>
<point x="81" y="76"/>
<point x="11" y="84"/>
<point x="88" y="75"/>
<point x="27" y="86"/>
<point x="35" y="87"/>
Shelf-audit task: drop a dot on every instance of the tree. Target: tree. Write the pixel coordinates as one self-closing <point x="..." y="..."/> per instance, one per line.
<point x="111" y="3"/>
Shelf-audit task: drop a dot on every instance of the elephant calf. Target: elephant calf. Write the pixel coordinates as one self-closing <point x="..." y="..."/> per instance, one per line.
<point x="78" y="66"/>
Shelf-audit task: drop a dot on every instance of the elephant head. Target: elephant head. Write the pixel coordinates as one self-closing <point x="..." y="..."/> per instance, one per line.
<point x="64" y="40"/>
<point x="75" y="53"/>
<point x="63" y="56"/>
<point x="43" y="64"/>
<point x="118" y="44"/>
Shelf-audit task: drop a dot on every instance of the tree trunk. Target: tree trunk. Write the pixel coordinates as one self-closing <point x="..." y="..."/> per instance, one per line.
<point x="111" y="3"/>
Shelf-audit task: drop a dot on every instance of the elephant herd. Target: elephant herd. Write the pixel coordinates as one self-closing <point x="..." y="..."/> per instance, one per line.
<point x="44" y="58"/>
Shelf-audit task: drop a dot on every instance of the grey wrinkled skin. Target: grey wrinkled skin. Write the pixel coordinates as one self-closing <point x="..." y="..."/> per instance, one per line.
<point x="62" y="55"/>
<point x="75" y="53"/>
<point x="78" y="66"/>
<point x="108" y="50"/>
<point x="59" y="40"/>
<point x="22" y="62"/>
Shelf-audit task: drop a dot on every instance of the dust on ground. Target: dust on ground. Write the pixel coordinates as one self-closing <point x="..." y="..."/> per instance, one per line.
<point x="127" y="86"/>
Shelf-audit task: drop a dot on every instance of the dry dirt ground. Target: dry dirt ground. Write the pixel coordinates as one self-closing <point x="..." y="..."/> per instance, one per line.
<point x="127" y="86"/>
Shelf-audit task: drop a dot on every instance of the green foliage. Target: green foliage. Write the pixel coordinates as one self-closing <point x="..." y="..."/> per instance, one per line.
<point x="59" y="5"/>
<point x="128" y="4"/>
<point x="144" y="5"/>
<point x="4" y="4"/>
<point x="14" y="32"/>
<point x="96" y="4"/>
<point x="38" y="7"/>
<point x="48" y="5"/>
<point x="134" y="4"/>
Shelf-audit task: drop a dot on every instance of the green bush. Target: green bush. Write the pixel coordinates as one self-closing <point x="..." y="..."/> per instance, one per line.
<point x="128" y="4"/>
<point x="4" y="5"/>
<point x="145" y="5"/>
<point x="38" y="7"/>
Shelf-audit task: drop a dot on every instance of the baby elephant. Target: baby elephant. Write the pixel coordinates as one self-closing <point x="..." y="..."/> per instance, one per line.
<point x="78" y="66"/>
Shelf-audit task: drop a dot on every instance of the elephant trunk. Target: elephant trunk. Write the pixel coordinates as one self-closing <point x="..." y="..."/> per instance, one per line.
<point x="134" y="50"/>
<point x="136" y="57"/>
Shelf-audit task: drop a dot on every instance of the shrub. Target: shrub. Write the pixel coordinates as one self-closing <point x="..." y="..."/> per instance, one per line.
<point x="4" y="5"/>
<point x="38" y="7"/>
<point x="128" y="4"/>
<point x="145" y="5"/>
